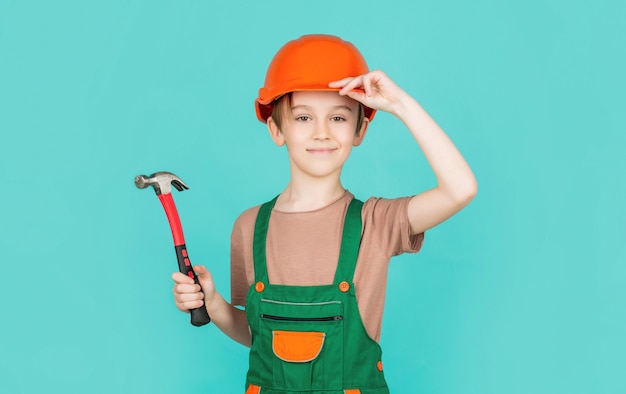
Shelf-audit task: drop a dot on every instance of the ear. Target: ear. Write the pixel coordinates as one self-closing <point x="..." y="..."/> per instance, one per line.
<point x="275" y="133"/>
<point x="360" y="135"/>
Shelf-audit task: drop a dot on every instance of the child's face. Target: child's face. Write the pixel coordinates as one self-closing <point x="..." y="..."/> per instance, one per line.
<point x="319" y="131"/>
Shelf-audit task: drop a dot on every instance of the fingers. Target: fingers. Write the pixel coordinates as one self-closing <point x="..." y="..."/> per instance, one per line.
<point x="347" y="84"/>
<point x="206" y="280"/>
<point x="362" y="81"/>
<point x="354" y="83"/>
<point x="179" y="277"/>
<point x="186" y="306"/>
<point x="340" y="83"/>
<point x="202" y="272"/>
<point x="367" y="85"/>
<point x="360" y="88"/>
<point x="373" y="89"/>
<point x="187" y="296"/>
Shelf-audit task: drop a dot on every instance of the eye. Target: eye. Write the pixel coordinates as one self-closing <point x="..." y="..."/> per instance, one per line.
<point x="303" y="118"/>
<point x="338" y="119"/>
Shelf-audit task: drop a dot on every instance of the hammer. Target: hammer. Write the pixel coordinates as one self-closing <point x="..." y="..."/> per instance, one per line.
<point x="162" y="182"/>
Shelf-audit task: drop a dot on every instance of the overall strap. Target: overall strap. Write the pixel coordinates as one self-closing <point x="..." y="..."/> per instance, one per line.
<point x="260" y="238"/>
<point x="350" y="242"/>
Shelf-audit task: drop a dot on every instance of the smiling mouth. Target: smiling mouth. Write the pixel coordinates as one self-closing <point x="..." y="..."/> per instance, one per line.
<point x="321" y="150"/>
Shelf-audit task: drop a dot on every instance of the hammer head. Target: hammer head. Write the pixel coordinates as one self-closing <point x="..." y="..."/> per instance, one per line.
<point x="161" y="182"/>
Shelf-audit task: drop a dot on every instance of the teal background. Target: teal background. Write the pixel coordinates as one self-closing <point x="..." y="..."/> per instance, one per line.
<point x="522" y="292"/>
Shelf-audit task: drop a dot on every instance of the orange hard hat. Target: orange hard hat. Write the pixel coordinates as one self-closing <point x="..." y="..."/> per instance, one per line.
<point x="309" y="64"/>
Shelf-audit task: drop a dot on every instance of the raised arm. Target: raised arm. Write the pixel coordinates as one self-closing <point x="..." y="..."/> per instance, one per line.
<point x="456" y="184"/>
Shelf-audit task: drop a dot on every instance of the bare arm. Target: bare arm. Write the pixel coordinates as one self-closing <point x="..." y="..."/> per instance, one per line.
<point x="456" y="184"/>
<point x="187" y="295"/>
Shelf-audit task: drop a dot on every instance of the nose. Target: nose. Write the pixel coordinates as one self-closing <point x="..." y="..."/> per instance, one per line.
<point x="322" y="131"/>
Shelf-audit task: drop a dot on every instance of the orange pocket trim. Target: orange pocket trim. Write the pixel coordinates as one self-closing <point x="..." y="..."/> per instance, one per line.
<point x="353" y="391"/>
<point x="297" y="347"/>
<point x="252" y="389"/>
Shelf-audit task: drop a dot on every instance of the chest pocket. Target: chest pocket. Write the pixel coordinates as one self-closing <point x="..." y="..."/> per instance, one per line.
<point x="305" y="341"/>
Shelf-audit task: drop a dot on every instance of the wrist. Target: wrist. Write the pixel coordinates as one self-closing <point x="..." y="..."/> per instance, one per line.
<point x="405" y="106"/>
<point x="213" y="304"/>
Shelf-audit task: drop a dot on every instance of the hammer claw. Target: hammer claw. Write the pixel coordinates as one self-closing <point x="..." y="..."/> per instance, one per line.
<point x="179" y="185"/>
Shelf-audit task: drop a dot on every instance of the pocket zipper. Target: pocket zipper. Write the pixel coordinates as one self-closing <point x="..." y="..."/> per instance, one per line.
<point x="299" y="303"/>
<point x="304" y="319"/>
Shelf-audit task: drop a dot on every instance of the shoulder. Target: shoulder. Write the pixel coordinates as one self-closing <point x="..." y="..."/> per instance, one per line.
<point x="247" y="217"/>
<point x="243" y="228"/>
<point x="380" y="206"/>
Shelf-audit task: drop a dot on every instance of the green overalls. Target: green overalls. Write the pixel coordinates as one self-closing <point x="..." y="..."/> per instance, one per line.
<point x="310" y="339"/>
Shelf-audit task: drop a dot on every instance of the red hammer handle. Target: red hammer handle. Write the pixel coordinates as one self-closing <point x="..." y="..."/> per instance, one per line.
<point x="199" y="316"/>
<point x="172" y="217"/>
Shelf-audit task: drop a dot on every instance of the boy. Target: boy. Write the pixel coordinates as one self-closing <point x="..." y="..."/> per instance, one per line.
<point x="310" y="266"/>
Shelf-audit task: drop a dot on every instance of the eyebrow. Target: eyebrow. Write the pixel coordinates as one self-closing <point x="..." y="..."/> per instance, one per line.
<point x="336" y="107"/>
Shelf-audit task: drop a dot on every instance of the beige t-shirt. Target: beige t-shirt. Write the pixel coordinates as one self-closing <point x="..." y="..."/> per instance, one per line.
<point x="303" y="250"/>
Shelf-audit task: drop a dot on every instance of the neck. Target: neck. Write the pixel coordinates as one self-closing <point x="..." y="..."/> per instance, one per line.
<point x="309" y="196"/>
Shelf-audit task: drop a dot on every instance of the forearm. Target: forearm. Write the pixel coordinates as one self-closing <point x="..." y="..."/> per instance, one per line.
<point x="232" y="321"/>
<point x="453" y="174"/>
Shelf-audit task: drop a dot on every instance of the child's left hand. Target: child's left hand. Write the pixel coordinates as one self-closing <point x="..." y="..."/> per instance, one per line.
<point x="380" y="92"/>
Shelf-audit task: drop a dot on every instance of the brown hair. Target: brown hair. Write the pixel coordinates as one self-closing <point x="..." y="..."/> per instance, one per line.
<point x="282" y="106"/>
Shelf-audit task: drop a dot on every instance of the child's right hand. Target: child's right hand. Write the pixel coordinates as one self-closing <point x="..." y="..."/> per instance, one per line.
<point x="188" y="295"/>
<point x="379" y="91"/>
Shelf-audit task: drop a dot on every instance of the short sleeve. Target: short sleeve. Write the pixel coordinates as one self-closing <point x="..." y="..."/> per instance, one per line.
<point x="386" y="223"/>
<point x="241" y="267"/>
